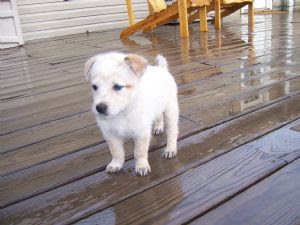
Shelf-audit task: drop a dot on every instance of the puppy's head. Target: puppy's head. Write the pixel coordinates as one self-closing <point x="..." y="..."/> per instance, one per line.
<point x="114" y="79"/>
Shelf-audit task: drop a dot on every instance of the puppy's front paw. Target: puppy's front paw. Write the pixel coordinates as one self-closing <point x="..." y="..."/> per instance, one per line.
<point x="169" y="153"/>
<point x="158" y="130"/>
<point x="113" y="167"/>
<point x="158" y="125"/>
<point x="142" y="168"/>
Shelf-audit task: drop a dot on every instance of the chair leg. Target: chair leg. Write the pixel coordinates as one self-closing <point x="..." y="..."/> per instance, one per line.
<point x="130" y="13"/>
<point x="184" y="26"/>
<point x="150" y="9"/>
<point x="203" y="19"/>
<point x="217" y="14"/>
<point x="251" y="14"/>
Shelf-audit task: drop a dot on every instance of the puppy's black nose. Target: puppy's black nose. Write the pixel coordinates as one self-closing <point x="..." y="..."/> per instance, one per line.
<point x="101" y="108"/>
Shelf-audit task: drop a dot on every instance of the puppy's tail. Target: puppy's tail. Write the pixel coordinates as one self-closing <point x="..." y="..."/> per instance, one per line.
<point x="161" y="61"/>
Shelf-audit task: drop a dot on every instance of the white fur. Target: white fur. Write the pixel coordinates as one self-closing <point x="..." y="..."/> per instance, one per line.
<point x="132" y="111"/>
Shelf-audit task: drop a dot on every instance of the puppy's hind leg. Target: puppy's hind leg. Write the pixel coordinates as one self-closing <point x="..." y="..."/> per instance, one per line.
<point x="117" y="152"/>
<point x="171" y="115"/>
<point x="159" y="125"/>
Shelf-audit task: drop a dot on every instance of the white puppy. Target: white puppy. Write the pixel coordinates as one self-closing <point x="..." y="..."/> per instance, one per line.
<point x="129" y="96"/>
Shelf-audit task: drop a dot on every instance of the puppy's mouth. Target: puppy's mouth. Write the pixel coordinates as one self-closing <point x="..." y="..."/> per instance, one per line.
<point x="104" y="116"/>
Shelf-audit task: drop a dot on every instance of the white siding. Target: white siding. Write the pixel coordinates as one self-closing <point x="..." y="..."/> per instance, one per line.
<point x="266" y="4"/>
<point x="50" y="18"/>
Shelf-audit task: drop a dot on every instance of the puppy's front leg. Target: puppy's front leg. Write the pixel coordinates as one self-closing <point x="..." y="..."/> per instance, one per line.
<point x="142" y="167"/>
<point x="117" y="152"/>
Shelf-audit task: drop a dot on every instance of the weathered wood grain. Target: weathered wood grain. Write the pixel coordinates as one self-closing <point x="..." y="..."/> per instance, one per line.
<point x="175" y="44"/>
<point x="185" y="129"/>
<point x="195" y="191"/>
<point x="274" y="200"/>
<point x="50" y="149"/>
<point x="235" y="85"/>
<point x="105" y="190"/>
<point x="48" y="76"/>
<point x="284" y="143"/>
<point x="193" y="109"/>
<point x="45" y="131"/>
<point x="83" y="95"/>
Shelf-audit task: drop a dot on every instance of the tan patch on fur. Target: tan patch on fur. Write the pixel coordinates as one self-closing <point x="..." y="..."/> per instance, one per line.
<point x="137" y="63"/>
<point x="129" y="86"/>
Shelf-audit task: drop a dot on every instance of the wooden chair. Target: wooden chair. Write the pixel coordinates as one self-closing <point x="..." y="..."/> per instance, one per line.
<point x="187" y="11"/>
<point x="160" y="14"/>
<point x="224" y="8"/>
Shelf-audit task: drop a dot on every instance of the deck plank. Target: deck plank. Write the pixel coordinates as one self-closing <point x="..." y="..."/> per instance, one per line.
<point x="176" y="44"/>
<point x="212" y="143"/>
<point x="73" y="95"/>
<point x="280" y="147"/>
<point x="274" y="200"/>
<point x="86" y="137"/>
<point x="22" y="188"/>
<point x="45" y="131"/>
<point x="81" y="66"/>
<point x="234" y="87"/>
<point x="183" y="93"/>
<point x="183" y="197"/>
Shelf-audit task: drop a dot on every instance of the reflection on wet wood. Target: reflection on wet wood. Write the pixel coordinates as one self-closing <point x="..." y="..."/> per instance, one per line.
<point x="274" y="200"/>
<point x="283" y="142"/>
<point x="103" y="191"/>
<point x="234" y="87"/>
<point x="185" y="196"/>
<point x="88" y="136"/>
<point x="45" y="131"/>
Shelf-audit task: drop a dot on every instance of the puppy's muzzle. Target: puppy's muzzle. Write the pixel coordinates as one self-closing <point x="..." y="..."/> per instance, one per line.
<point x="101" y="108"/>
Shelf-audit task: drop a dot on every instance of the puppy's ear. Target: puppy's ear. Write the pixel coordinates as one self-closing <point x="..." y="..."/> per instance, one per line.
<point x="88" y="67"/>
<point x="136" y="63"/>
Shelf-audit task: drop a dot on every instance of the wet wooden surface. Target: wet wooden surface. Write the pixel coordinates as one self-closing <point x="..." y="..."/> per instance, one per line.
<point x="239" y="130"/>
<point x="275" y="200"/>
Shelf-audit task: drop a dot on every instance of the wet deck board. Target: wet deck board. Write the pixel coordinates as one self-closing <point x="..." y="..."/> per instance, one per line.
<point x="234" y="88"/>
<point x="88" y="136"/>
<point x="194" y="192"/>
<point x="274" y="200"/>
<point x="74" y="166"/>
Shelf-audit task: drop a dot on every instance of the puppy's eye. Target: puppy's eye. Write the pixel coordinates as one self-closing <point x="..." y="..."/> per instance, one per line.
<point x="95" y="87"/>
<point x="118" y="87"/>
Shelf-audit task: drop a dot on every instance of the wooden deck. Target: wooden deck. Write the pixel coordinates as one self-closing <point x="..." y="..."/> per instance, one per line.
<point x="239" y="147"/>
